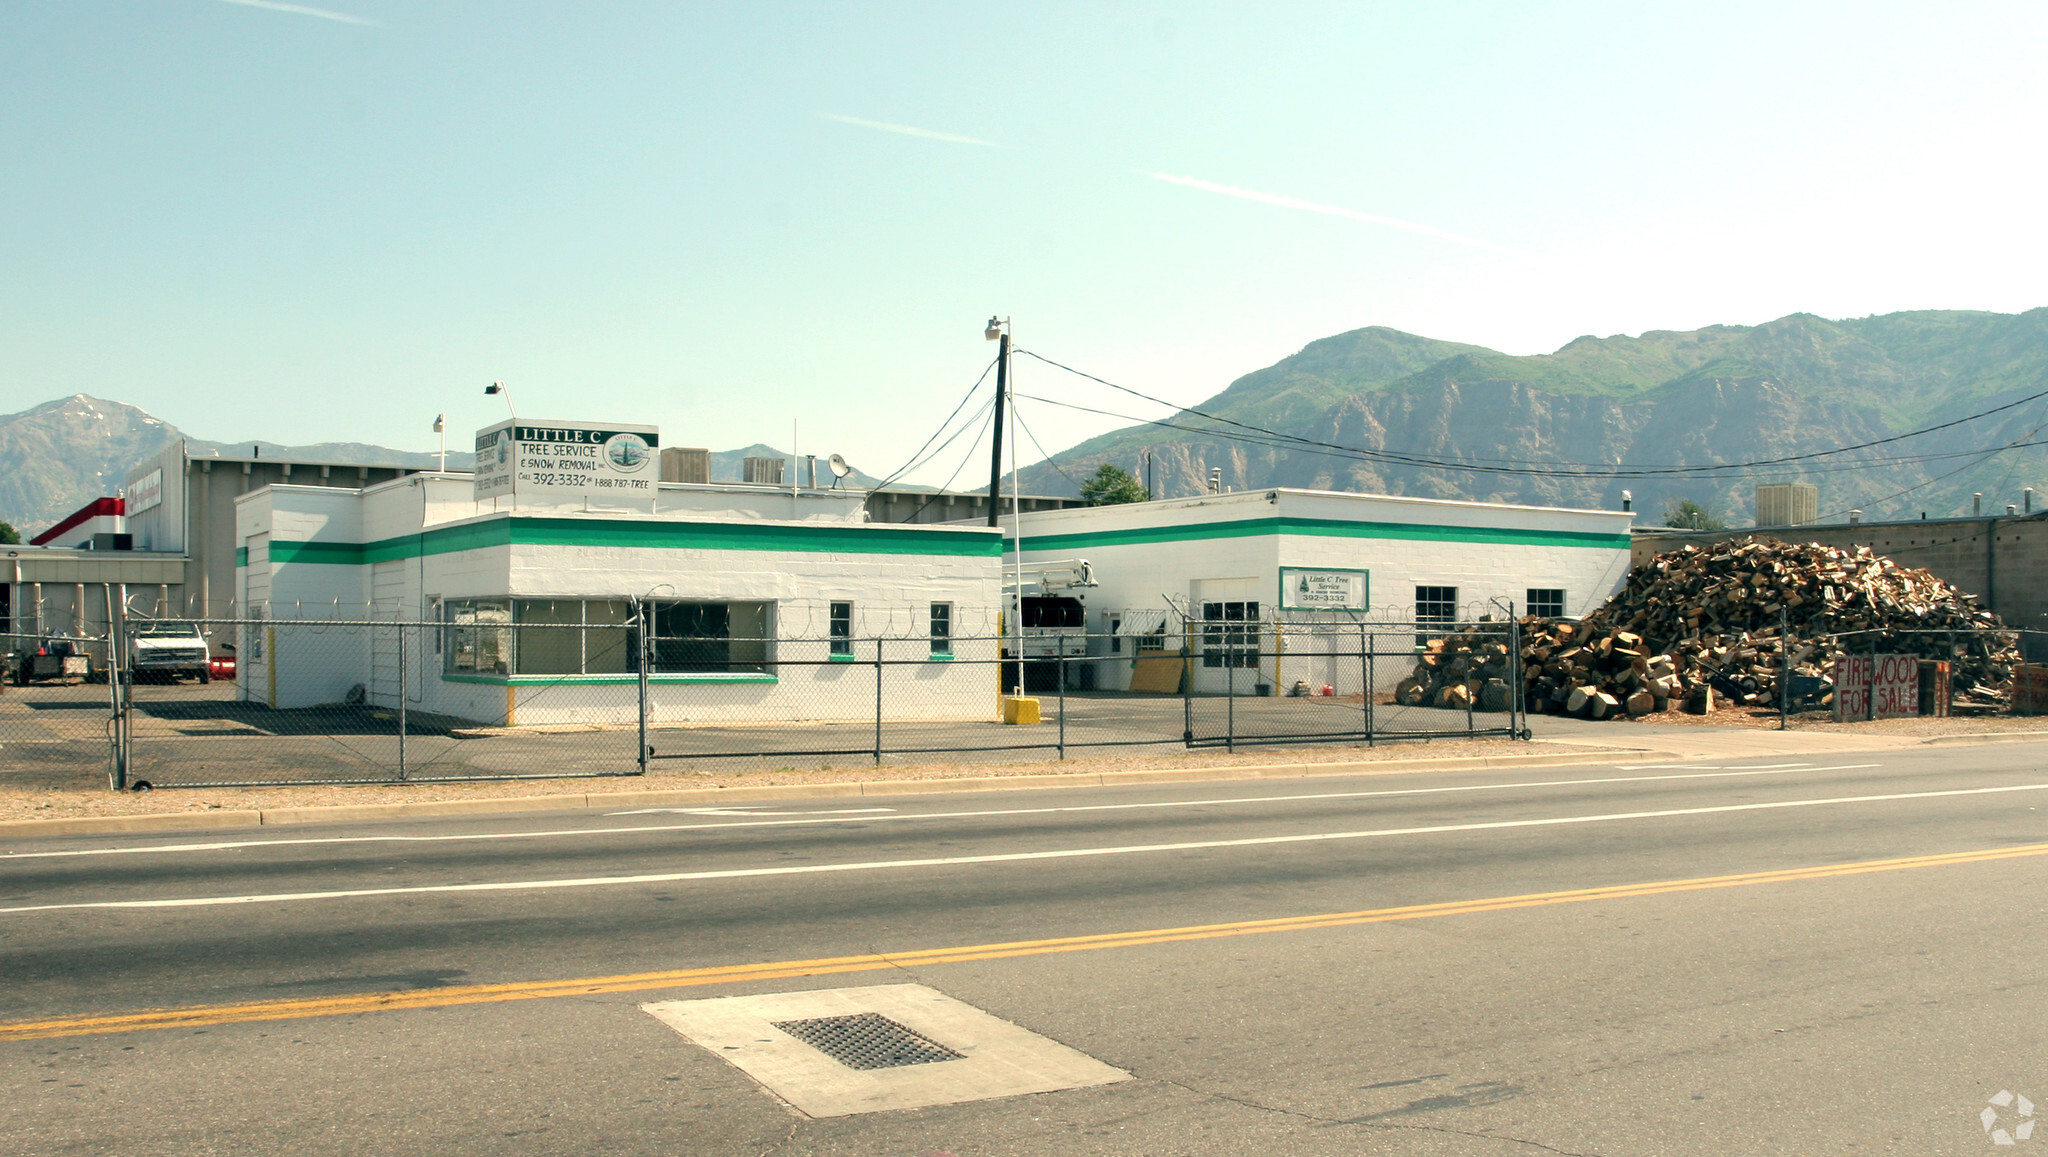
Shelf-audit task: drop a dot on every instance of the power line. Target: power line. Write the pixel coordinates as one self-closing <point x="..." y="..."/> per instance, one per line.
<point x="1981" y="459"/>
<point x="1578" y="470"/>
<point x="914" y="462"/>
<point x="1018" y="417"/>
<point x="1704" y="472"/>
<point x="941" y="492"/>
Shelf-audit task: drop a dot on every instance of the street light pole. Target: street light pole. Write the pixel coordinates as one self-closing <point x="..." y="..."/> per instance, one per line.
<point x="998" y="330"/>
<point x="499" y="387"/>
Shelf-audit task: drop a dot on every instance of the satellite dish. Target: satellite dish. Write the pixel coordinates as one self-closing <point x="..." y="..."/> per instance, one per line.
<point x="839" y="469"/>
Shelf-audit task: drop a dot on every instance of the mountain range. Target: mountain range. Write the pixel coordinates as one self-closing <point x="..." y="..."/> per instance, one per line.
<point x="56" y="457"/>
<point x="1381" y="411"/>
<point x="1942" y="393"/>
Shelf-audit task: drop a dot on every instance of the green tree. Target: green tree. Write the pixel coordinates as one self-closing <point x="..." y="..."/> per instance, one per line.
<point x="8" y="534"/>
<point x="1685" y="514"/>
<point x="1112" y="486"/>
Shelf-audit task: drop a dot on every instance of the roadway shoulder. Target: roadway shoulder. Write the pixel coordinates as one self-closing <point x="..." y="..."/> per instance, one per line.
<point x="1977" y="737"/>
<point x="192" y="821"/>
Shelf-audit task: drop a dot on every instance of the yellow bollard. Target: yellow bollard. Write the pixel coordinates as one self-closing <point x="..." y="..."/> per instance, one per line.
<point x="1020" y="709"/>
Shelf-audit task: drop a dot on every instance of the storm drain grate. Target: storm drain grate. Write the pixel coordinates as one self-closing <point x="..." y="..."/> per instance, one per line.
<point x="867" y="1040"/>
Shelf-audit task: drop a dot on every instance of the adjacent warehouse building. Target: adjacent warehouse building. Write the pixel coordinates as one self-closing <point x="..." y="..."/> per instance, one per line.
<point x="1245" y="564"/>
<point x="178" y="503"/>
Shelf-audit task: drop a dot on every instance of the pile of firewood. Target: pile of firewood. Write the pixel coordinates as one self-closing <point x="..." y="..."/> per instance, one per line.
<point x="1726" y="622"/>
<point x="1583" y="669"/>
<point x="1469" y="667"/>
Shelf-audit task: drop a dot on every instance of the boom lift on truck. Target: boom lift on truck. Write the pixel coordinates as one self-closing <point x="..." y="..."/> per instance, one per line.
<point x="1053" y="622"/>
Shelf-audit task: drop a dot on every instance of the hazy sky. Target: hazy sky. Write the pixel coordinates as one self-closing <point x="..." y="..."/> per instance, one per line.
<point x="331" y="220"/>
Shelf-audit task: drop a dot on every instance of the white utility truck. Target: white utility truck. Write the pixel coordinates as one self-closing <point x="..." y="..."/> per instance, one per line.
<point x="170" y="648"/>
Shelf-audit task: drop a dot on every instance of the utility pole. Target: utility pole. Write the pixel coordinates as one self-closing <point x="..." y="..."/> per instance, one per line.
<point x="1001" y="331"/>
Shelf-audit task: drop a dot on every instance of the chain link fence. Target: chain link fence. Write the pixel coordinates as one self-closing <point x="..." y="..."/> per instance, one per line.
<point x="492" y="691"/>
<point x="1894" y="672"/>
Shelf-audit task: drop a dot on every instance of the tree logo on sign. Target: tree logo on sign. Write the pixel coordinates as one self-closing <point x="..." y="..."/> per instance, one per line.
<point x="1996" y="1116"/>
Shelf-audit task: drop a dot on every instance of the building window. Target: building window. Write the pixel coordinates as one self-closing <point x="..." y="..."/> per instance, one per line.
<point x="479" y="636"/>
<point x="842" y="628"/>
<point x="942" y="628"/>
<point x="708" y="638"/>
<point x="1436" y="604"/>
<point x="571" y="637"/>
<point x="1546" y="603"/>
<point x="599" y="637"/>
<point x="1230" y="634"/>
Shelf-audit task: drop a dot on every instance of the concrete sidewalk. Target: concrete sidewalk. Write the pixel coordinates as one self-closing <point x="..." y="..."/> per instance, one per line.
<point x="1705" y="742"/>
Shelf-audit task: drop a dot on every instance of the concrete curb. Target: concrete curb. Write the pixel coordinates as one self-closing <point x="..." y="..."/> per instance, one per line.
<point x="1985" y="737"/>
<point x="683" y="797"/>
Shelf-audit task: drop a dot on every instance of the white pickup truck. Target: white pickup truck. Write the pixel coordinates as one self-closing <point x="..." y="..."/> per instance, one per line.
<point x="170" y="648"/>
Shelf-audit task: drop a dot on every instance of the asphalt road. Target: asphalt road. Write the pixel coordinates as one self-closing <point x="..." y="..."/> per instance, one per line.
<point x="1470" y="963"/>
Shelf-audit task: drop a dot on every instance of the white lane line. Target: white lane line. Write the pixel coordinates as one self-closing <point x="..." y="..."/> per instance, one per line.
<point x="304" y="841"/>
<point x="1706" y="766"/>
<point x="1004" y="857"/>
<point x="748" y="812"/>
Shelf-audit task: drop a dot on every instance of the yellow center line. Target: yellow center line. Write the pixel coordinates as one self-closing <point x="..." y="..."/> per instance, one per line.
<point x="359" y="1003"/>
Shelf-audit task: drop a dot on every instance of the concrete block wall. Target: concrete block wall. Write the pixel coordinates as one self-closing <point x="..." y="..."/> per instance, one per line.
<point x="2003" y="561"/>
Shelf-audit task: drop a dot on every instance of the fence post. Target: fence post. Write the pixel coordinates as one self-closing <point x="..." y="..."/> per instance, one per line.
<point x="644" y="648"/>
<point x="401" y="695"/>
<point x="1368" y="648"/>
<point x="1785" y="669"/>
<point x="1229" y="699"/>
<point x="1062" y="660"/>
<point x="1950" y="706"/>
<point x="117" y="667"/>
<point x="1516" y="673"/>
<point x="878" y="698"/>
<point x="1187" y="684"/>
<point x="1471" y="704"/>
<point x="1870" y="699"/>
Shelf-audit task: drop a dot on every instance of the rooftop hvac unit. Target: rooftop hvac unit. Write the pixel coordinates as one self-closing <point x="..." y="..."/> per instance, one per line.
<point x="767" y="471"/>
<point x="685" y="464"/>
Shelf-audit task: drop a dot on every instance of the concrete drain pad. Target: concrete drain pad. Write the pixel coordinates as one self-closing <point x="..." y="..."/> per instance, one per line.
<point x="840" y="1051"/>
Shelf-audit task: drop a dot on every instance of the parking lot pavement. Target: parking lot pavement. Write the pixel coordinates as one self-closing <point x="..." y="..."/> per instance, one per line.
<point x="188" y="734"/>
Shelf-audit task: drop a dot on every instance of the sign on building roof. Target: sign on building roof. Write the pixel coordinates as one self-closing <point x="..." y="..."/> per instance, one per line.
<point x="566" y="463"/>
<point x="147" y="493"/>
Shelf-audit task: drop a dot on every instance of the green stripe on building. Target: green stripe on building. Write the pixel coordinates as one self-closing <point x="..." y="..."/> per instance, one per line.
<point x="241" y="556"/>
<point x="573" y="532"/>
<point x="1328" y="528"/>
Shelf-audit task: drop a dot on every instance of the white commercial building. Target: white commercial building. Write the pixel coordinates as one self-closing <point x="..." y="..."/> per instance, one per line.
<point x="766" y="603"/>
<point x="1269" y="557"/>
<point x="771" y="603"/>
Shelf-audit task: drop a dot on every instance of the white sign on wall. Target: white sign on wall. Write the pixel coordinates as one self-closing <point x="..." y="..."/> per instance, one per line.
<point x="566" y="463"/>
<point x="146" y="494"/>
<point x="1306" y="588"/>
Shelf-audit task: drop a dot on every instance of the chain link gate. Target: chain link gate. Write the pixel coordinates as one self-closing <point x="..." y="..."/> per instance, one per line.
<point x="1338" y="677"/>
<point x="291" y="713"/>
